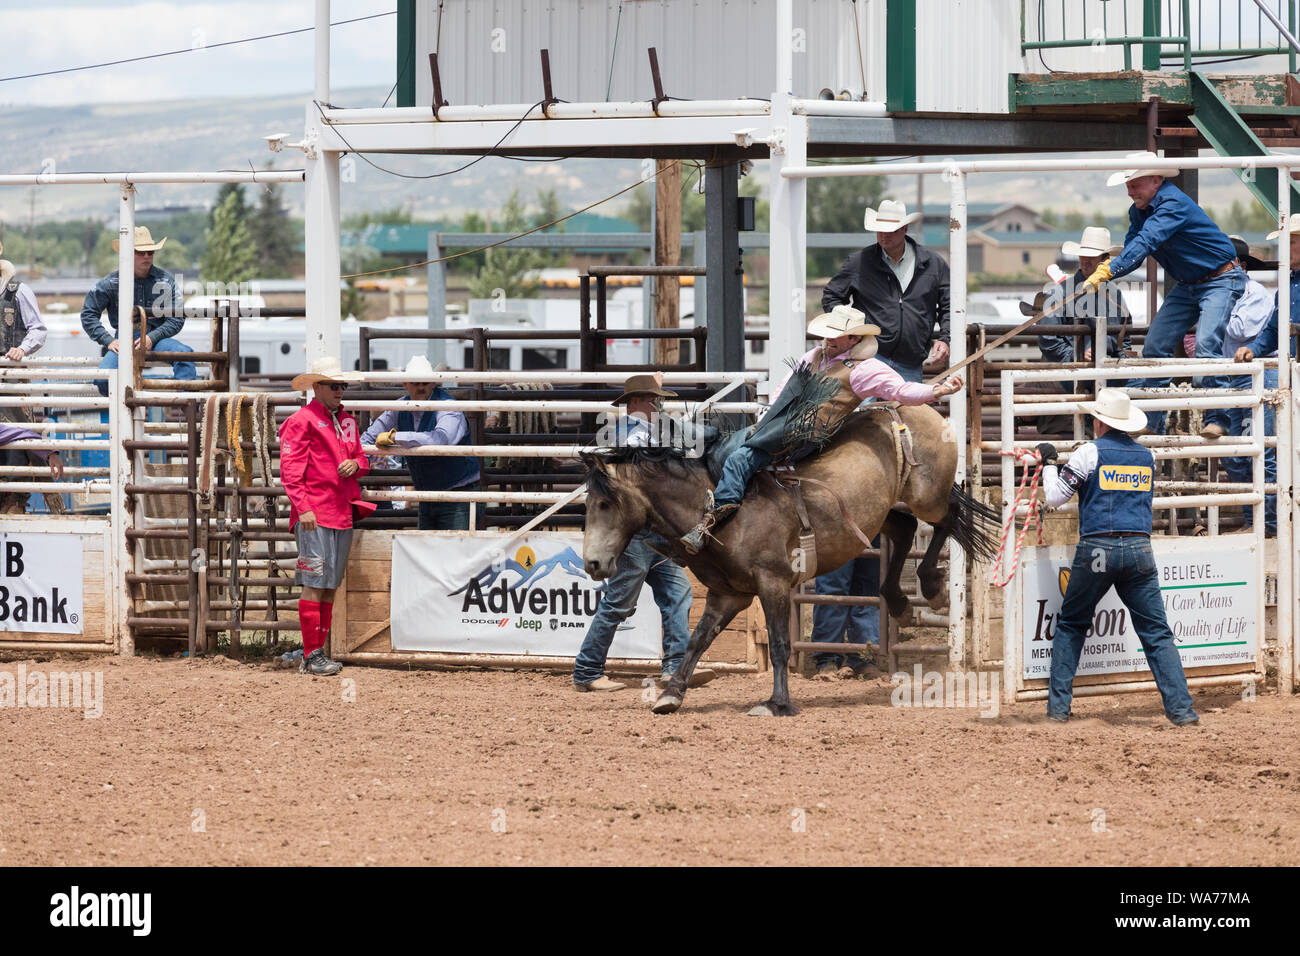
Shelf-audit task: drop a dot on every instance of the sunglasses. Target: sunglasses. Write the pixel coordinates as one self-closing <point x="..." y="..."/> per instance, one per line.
<point x="334" y="386"/>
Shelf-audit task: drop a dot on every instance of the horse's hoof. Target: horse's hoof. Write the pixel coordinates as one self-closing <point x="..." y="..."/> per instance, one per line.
<point x="904" y="619"/>
<point x="762" y="710"/>
<point x="769" y="709"/>
<point x="937" y="601"/>
<point x="667" y="704"/>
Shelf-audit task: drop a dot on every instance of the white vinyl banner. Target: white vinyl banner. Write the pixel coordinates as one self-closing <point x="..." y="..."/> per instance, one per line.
<point x="1211" y="594"/>
<point x="453" y="592"/>
<point x="40" y="583"/>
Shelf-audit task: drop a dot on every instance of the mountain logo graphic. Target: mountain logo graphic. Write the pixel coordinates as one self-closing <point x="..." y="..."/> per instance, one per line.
<point x="527" y="567"/>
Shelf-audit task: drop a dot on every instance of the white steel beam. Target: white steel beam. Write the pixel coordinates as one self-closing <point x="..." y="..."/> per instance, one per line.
<point x="322" y="243"/>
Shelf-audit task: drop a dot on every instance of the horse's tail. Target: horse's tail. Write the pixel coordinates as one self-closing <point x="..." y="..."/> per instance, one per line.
<point x="973" y="525"/>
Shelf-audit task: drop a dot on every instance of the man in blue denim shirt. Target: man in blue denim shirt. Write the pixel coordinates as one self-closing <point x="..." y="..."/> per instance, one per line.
<point x="1115" y="479"/>
<point x="639" y="564"/>
<point x="154" y="291"/>
<point x="1166" y="225"/>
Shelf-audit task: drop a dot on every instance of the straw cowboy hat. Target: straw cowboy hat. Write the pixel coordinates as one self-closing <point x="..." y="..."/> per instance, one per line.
<point x="841" y="320"/>
<point x="1249" y="262"/>
<point x="1094" y="242"/>
<point x="143" y="241"/>
<point x="1146" y="156"/>
<point x="1292" y="225"/>
<point x="649" y="383"/>
<point x="1115" y="409"/>
<point x="322" y="370"/>
<point x="892" y="215"/>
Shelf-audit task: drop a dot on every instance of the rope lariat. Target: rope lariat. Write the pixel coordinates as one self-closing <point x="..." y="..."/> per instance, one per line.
<point x="1027" y="492"/>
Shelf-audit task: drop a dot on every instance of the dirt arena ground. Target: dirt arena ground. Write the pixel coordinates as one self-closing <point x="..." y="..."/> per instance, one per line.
<point x="220" y="762"/>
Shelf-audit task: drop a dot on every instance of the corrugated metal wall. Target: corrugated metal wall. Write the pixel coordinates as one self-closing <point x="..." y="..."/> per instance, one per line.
<point x="708" y="49"/>
<point x="1075" y="20"/>
<point x="965" y="50"/>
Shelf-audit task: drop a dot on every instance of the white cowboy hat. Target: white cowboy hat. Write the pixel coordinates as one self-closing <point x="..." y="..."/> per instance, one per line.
<point x="1115" y="409"/>
<point x="1146" y="156"/>
<point x="1292" y="225"/>
<point x="143" y="241"/>
<point x="419" y="365"/>
<point x="842" y="320"/>
<point x="891" y="216"/>
<point x="1095" y="241"/>
<point x="322" y="370"/>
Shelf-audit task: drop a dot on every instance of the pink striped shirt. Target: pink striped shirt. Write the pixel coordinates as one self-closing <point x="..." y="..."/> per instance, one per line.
<point x="871" y="378"/>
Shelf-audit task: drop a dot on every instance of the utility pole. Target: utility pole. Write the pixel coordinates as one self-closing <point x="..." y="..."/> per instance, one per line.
<point x="668" y="250"/>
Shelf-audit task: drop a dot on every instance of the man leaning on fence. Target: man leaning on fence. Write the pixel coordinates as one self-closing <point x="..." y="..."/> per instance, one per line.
<point x="154" y="291"/>
<point x="22" y="333"/>
<point x="1168" y="226"/>
<point x="396" y="429"/>
<point x="320" y="460"/>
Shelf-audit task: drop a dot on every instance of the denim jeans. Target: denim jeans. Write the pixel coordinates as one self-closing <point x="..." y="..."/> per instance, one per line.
<point x="1239" y="468"/>
<point x="1129" y="566"/>
<point x="672" y="593"/>
<point x="831" y="622"/>
<point x="181" y="371"/>
<point x="1205" y="307"/>
<point x="741" y="465"/>
<point x="446" y="515"/>
<point x="910" y="373"/>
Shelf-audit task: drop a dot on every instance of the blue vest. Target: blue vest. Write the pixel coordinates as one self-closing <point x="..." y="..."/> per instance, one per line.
<point x="1117" y="496"/>
<point x="435" y="473"/>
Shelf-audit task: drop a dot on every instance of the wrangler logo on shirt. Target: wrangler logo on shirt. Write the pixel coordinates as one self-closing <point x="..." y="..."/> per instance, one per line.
<point x="1124" y="477"/>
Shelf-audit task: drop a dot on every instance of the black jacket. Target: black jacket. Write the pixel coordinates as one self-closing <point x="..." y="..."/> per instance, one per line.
<point x="906" y="317"/>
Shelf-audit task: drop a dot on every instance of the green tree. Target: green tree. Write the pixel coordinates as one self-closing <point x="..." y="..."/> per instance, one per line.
<point x="506" y="268"/>
<point x="549" y="210"/>
<point x="231" y="257"/>
<point x="1073" y="221"/>
<point x="1099" y="219"/>
<point x="1050" y="218"/>
<point x="277" y="239"/>
<point x="474" y="262"/>
<point x="836" y="204"/>
<point x="240" y="203"/>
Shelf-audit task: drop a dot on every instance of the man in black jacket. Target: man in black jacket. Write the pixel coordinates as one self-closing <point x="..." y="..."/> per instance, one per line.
<point x="902" y="287"/>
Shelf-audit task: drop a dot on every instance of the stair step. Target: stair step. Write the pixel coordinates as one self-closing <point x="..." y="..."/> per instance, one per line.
<point x="1191" y="132"/>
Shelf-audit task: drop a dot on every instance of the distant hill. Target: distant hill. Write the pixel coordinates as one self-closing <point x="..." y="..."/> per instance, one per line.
<point x="199" y="134"/>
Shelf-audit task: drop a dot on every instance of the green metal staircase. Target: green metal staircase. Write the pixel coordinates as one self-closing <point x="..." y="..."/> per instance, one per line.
<point x="1227" y="130"/>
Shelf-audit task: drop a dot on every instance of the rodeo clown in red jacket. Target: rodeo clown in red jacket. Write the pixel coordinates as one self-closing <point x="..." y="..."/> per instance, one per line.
<point x="320" y="460"/>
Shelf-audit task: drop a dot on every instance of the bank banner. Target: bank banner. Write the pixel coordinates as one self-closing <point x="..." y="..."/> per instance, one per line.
<point x="492" y="595"/>
<point x="40" y="583"/>
<point x="1210" y="590"/>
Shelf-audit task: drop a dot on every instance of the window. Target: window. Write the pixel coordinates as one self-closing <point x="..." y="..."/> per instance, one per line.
<point x="250" y="364"/>
<point x="1024" y="257"/>
<point x="543" y="359"/>
<point x="758" y="346"/>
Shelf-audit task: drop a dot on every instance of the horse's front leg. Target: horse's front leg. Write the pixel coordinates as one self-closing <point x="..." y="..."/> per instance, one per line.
<point x="775" y="596"/>
<point x="719" y="609"/>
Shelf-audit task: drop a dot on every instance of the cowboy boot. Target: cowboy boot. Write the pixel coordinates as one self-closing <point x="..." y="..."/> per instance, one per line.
<point x="714" y="515"/>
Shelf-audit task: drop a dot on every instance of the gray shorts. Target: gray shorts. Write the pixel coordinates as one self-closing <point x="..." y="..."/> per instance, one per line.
<point x="322" y="556"/>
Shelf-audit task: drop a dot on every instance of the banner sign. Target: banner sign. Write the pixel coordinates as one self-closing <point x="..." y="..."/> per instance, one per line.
<point x="461" y="594"/>
<point x="40" y="583"/>
<point x="1211" y="594"/>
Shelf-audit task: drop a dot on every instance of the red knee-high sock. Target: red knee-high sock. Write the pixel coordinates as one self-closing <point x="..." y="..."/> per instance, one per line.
<point x="309" y="615"/>
<point x="326" y="617"/>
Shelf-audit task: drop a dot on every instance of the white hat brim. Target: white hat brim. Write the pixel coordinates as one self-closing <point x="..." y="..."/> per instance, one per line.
<point x="871" y="222"/>
<point x="1074" y="249"/>
<point x="1136" y="421"/>
<point x="1125" y="175"/>
<point x="822" y="329"/>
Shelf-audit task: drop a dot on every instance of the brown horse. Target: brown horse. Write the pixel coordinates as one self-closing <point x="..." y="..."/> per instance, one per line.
<point x="756" y="552"/>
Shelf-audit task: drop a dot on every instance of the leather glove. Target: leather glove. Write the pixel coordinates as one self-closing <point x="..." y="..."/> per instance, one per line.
<point x="385" y="439"/>
<point x="1100" y="274"/>
<point x="1047" y="452"/>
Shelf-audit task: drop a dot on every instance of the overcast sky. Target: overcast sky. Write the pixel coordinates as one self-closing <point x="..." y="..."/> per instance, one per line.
<point x="57" y="34"/>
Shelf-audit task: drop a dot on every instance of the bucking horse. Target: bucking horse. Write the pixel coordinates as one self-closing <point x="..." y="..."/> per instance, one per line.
<point x="862" y="471"/>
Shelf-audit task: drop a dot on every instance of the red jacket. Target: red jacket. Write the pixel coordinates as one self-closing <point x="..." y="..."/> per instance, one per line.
<point x="310" y="454"/>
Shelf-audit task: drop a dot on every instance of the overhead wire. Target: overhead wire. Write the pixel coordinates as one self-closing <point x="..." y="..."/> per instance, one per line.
<point x="527" y="232"/>
<point x="208" y="46"/>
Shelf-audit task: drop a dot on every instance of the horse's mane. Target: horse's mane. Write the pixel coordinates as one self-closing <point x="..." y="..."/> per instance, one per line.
<point x="656" y="461"/>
